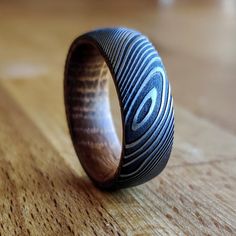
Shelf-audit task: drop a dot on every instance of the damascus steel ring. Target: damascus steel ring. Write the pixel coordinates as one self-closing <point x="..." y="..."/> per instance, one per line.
<point x="131" y="62"/>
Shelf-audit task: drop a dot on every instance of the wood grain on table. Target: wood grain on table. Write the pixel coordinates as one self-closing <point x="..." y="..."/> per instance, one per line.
<point x="43" y="189"/>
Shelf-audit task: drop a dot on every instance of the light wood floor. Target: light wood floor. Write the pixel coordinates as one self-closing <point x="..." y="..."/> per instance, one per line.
<point x="43" y="189"/>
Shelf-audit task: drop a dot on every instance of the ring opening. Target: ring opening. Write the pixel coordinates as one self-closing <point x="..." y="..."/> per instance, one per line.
<point x="89" y="112"/>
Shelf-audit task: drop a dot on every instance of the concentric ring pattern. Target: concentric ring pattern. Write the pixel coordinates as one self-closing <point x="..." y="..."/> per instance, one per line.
<point x="146" y="101"/>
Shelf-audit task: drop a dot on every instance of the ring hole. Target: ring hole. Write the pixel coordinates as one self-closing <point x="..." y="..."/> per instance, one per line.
<point x="115" y="109"/>
<point x="91" y="102"/>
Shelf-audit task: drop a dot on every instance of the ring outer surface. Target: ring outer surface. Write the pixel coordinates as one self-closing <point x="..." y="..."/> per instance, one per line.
<point x="168" y="127"/>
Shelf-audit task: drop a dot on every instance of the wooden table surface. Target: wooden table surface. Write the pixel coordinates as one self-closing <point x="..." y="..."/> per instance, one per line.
<point x="43" y="189"/>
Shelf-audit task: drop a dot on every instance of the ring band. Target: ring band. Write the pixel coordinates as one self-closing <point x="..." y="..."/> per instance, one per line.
<point x="145" y="101"/>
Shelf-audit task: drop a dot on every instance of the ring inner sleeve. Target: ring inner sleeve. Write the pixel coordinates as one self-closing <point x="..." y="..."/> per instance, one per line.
<point x="88" y="112"/>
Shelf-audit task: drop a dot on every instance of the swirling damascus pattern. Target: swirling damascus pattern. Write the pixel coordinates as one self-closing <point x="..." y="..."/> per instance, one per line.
<point x="146" y="100"/>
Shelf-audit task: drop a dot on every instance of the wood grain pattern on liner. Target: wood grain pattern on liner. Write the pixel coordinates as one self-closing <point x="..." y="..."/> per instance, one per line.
<point x="88" y="111"/>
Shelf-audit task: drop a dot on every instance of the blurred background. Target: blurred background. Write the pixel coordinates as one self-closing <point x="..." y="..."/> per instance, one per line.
<point x="196" y="39"/>
<point x="43" y="189"/>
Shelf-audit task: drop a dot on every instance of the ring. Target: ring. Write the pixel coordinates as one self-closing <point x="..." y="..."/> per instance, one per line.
<point x="129" y="59"/>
